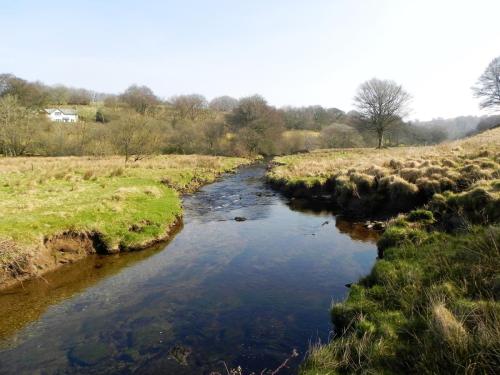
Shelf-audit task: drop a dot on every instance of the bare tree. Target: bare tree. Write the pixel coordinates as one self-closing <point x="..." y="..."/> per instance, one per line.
<point x="140" y="98"/>
<point x="189" y="106"/>
<point x="223" y="103"/>
<point x="133" y="135"/>
<point x="381" y="103"/>
<point x="488" y="86"/>
<point x="16" y="129"/>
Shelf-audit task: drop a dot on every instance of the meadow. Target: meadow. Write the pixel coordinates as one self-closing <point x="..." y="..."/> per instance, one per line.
<point x="58" y="209"/>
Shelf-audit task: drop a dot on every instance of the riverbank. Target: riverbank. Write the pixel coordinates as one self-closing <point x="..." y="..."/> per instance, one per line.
<point x="58" y="210"/>
<point x="430" y="305"/>
<point x="368" y="182"/>
<point x="244" y="293"/>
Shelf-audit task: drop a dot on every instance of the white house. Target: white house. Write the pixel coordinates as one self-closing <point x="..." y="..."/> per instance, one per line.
<point x="62" y="114"/>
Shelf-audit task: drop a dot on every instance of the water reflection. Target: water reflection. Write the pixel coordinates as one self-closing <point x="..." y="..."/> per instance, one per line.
<point x="241" y="292"/>
<point x="22" y="304"/>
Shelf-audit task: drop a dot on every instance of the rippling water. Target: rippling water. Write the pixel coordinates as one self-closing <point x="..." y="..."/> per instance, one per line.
<point x="244" y="293"/>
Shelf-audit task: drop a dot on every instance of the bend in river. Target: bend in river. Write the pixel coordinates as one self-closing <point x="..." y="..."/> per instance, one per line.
<point x="242" y="292"/>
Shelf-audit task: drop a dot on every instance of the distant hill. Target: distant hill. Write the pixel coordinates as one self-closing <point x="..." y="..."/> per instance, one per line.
<point x="462" y="126"/>
<point x="454" y="128"/>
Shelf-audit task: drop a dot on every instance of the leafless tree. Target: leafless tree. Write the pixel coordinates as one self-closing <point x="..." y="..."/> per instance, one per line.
<point x="134" y="135"/>
<point x="223" y="103"/>
<point x="189" y="106"/>
<point x="140" y="98"/>
<point x="16" y="127"/>
<point x="381" y="103"/>
<point x="487" y="87"/>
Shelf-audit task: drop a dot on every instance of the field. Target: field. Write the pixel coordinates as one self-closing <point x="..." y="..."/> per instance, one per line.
<point x="430" y="304"/>
<point x="55" y="210"/>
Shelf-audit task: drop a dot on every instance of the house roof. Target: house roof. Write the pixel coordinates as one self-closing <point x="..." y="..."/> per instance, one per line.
<point x="65" y="111"/>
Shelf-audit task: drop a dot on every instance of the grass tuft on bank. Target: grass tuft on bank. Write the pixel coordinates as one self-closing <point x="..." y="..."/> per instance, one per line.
<point x="368" y="181"/>
<point x="122" y="206"/>
<point x="426" y="307"/>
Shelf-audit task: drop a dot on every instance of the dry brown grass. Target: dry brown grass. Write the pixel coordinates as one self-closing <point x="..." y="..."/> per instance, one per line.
<point x="481" y="151"/>
<point x="405" y="173"/>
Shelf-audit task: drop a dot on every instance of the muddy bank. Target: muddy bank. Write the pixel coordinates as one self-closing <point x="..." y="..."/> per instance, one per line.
<point x="64" y="248"/>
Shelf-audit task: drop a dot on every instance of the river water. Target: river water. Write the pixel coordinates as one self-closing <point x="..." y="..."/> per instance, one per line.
<point x="240" y="293"/>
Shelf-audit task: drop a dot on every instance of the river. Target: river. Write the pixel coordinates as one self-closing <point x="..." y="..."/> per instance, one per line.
<point x="244" y="293"/>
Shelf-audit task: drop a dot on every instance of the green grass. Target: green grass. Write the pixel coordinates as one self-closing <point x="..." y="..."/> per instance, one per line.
<point x="128" y="205"/>
<point x="428" y="308"/>
<point x="108" y="205"/>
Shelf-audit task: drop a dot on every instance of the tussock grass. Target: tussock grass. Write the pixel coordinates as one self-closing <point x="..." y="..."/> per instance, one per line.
<point x="403" y="177"/>
<point x="44" y="197"/>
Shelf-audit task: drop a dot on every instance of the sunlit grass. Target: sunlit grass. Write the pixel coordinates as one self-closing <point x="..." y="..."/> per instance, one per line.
<point x="129" y="205"/>
<point x="395" y="175"/>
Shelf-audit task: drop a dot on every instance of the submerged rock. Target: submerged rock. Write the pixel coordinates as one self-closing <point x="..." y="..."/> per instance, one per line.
<point x="375" y="225"/>
<point x="180" y="354"/>
<point x="89" y="354"/>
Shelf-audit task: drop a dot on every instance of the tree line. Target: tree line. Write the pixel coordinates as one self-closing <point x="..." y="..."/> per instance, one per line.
<point x="137" y="122"/>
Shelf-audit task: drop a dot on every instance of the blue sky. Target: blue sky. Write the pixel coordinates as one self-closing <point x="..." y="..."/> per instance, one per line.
<point x="291" y="52"/>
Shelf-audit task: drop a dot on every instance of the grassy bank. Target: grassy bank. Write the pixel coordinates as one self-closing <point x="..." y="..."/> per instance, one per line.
<point x="429" y="307"/>
<point x="368" y="181"/>
<point x="430" y="304"/>
<point x="56" y="210"/>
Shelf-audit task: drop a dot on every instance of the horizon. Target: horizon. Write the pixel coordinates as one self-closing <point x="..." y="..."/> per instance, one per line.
<point x="290" y="53"/>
